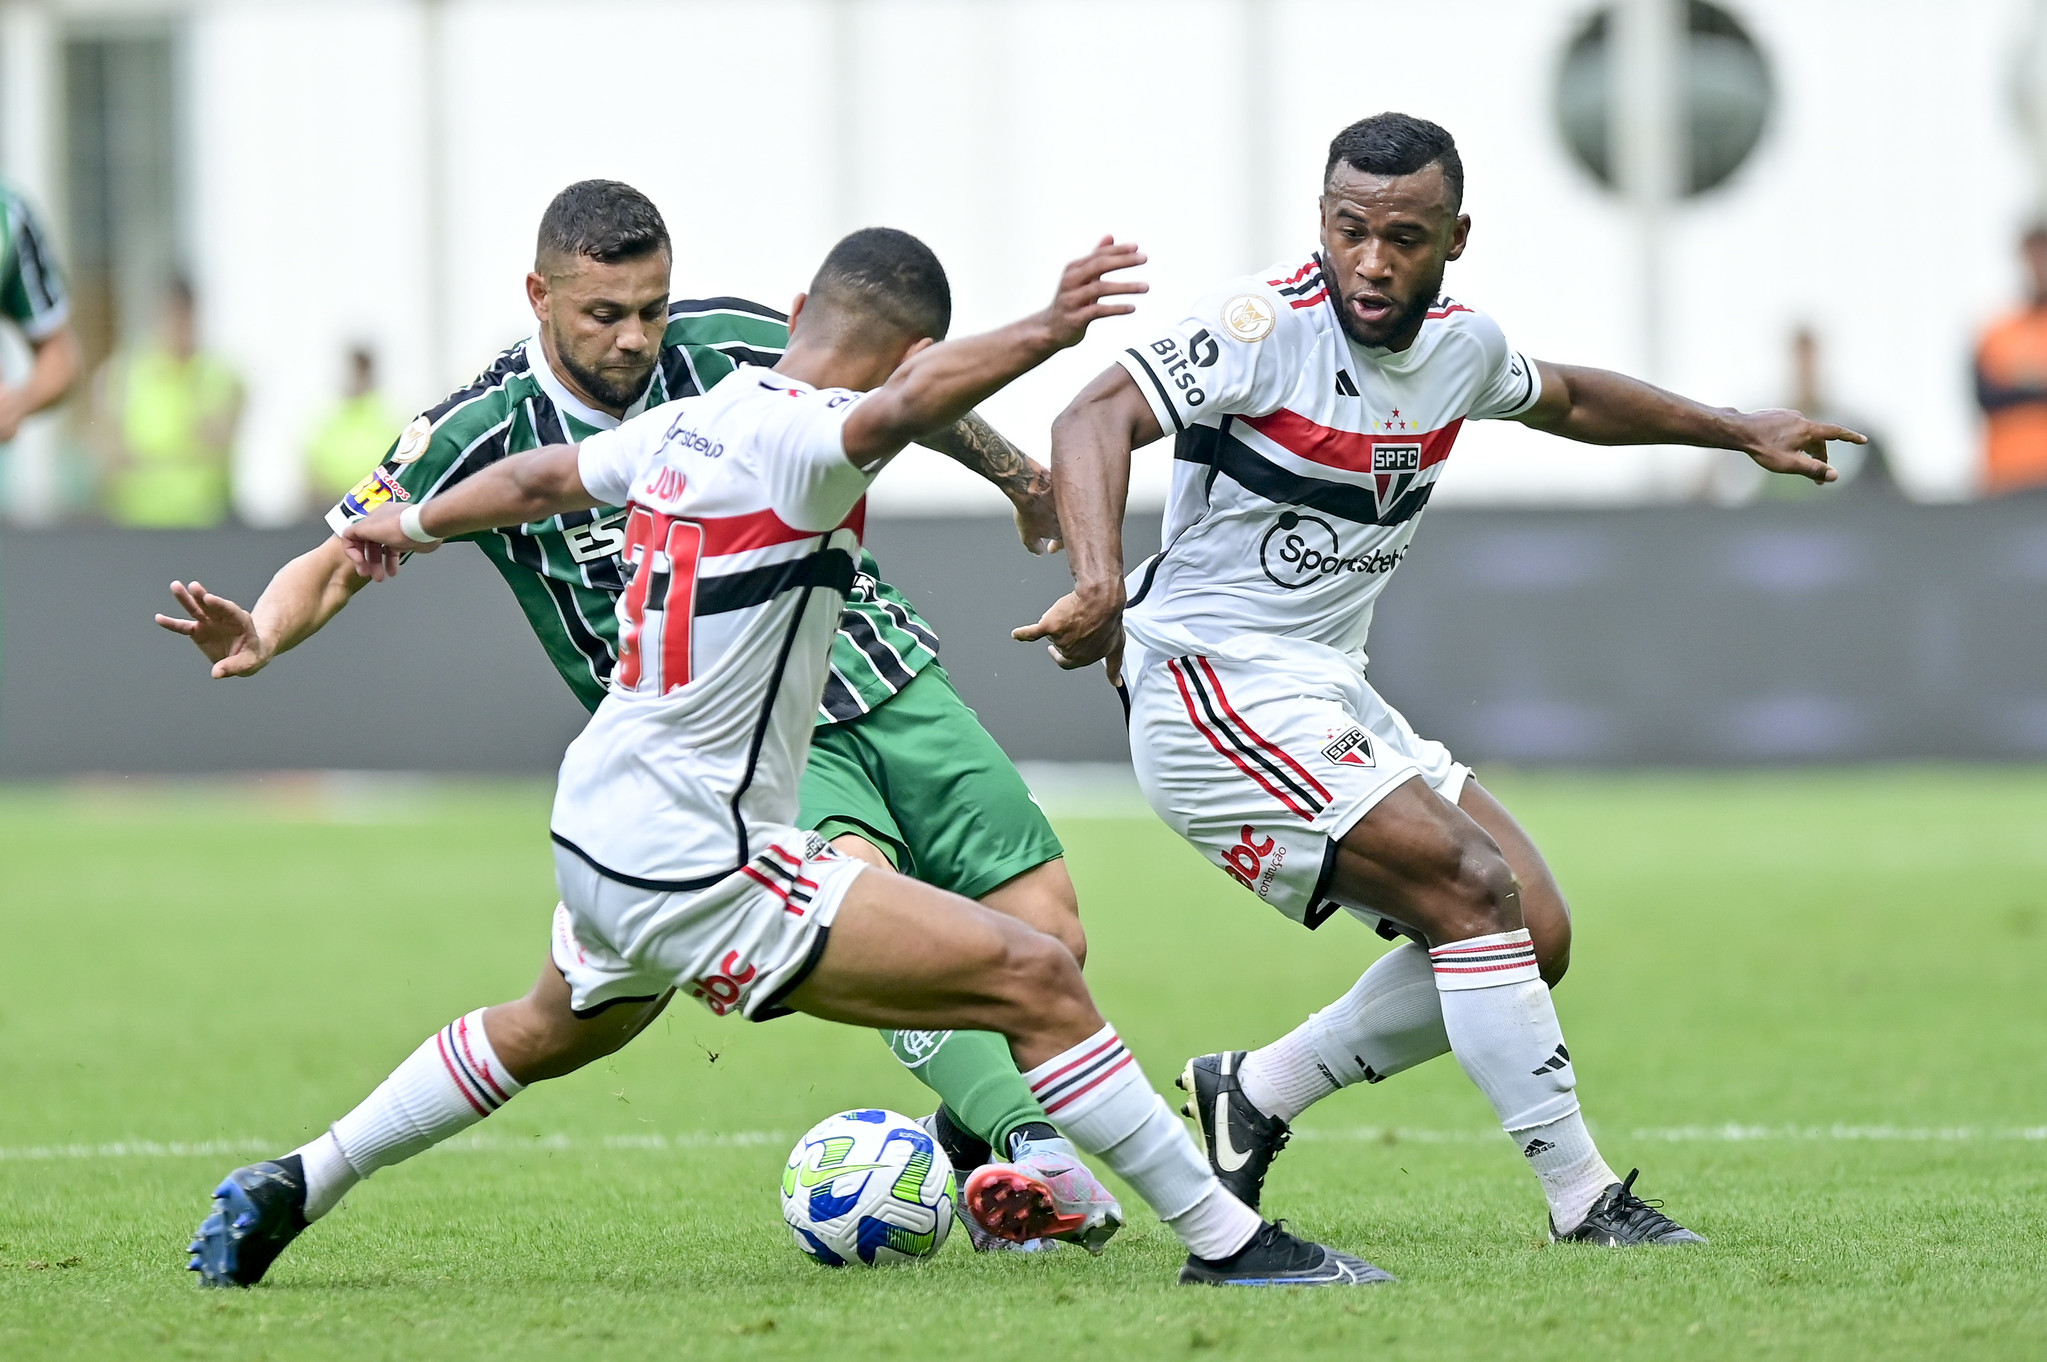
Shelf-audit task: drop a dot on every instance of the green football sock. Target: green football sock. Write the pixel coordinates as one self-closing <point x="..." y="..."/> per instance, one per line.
<point x="974" y="1075"/>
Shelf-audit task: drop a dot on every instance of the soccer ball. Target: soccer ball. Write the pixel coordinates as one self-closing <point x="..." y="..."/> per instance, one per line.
<point x="867" y="1186"/>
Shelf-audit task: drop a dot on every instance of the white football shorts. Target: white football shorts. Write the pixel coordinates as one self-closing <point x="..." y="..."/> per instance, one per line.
<point x="742" y="945"/>
<point x="1263" y="752"/>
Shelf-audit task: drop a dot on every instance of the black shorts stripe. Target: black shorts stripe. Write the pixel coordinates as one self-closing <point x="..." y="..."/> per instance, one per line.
<point x="639" y="881"/>
<point x="770" y="1007"/>
<point x="1220" y="719"/>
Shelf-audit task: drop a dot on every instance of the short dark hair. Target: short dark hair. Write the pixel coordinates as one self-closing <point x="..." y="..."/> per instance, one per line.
<point x="603" y="220"/>
<point x="885" y="275"/>
<point x="1399" y="144"/>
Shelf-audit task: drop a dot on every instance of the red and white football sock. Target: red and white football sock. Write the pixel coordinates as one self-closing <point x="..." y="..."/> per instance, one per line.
<point x="1391" y="1020"/>
<point x="1098" y="1097"/>
<point x="1503" y="1029"/>
<point x="445" y="1086"/>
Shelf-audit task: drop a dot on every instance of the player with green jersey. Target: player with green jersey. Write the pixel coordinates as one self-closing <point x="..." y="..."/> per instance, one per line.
<point x="34" y="299"/>
<point x="900" y="773"/>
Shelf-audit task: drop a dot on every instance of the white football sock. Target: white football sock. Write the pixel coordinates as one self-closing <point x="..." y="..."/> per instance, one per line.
<point x="1564" y="1157"/>
<point x="1098" y="1097"/>
<point x="328" y="1174"/>
<point x="1503" y="1029"/>
<point x="445" y="1086"/>
<point x="1391" y="1020"/>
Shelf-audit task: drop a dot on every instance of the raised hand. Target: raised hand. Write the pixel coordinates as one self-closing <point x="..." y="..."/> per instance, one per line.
<point x="1082" y="289"/>
<point x="1785" y="441"/>
<point x="223" y="631"/>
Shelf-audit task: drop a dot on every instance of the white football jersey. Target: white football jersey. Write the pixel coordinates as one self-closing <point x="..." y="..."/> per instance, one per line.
<point x="743" y="522"/>
<point x="1302" y="460"/>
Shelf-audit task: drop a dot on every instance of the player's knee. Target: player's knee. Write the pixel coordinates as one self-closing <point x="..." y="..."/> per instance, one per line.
<point x="1041" y="975"/>
<point x="1476" y="895"/>
<point x="537" y="1042"/>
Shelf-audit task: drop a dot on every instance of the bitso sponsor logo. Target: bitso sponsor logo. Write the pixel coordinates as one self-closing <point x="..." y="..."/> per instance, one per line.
<point x="1178" y="370"/>
<point x="1352" y="747"/>
<point x="1247" y="860"/>
<point x="1300" y="549"/>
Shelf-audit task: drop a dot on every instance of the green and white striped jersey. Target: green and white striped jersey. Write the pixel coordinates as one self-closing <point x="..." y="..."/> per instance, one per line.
<point x="566" y="571"/>
<point x="32" y="292"/>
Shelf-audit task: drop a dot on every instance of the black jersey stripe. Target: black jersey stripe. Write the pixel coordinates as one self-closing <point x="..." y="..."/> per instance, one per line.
<point x="1258" y="474"/>
<point x="36" y="273"/>
<point x="884" y="659"/>
<point x="697" y="307"/>
<point x="840" y="702"/>
<point x="908" y="623"/>
<point x="757" y="586"/>
<point x="524" y="550"/>
<point x="1165" y="394"/>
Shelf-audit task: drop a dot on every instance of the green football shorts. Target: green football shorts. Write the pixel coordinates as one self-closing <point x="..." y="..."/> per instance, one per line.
<point x="920" y="778"/>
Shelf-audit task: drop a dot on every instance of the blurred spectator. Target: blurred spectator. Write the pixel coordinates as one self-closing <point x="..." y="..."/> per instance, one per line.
<point x="166" y="418"/>
<point x="2011" y="384"/>
<point x="33" y="297"/>
<point x="1865" y="469"/>
<point x="355" y="435"/>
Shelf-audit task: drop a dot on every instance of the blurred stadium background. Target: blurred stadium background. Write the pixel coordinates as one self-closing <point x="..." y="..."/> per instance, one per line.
<point x="1675" y="189"/>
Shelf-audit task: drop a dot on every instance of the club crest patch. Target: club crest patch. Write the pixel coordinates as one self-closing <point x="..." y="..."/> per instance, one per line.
<point x="414" y="441"/>
<point x="1248" y="317"/>
<point x="1352" y="747"/>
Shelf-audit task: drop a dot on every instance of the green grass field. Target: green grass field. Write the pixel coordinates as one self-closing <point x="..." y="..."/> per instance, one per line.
<point x="1809" y="1006"/>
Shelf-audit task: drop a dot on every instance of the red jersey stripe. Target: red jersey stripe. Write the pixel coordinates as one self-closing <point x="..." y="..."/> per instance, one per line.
<point x="1346" y="449"/>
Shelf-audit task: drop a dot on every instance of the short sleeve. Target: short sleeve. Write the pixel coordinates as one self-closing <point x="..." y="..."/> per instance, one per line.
<point x="611" y="461"/>
<point x="1237" y="352"/>
<point x="436" y="451"/>
<point x="1509" y="385"/>
<point x="801" y="448"/>
<point x="32" y="293"/>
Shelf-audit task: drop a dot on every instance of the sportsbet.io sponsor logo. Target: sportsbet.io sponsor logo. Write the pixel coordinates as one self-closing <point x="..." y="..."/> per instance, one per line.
<point x="1300" y="549"/>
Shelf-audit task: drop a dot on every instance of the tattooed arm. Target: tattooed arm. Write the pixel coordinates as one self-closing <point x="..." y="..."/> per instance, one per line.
<point x="977" y="446"/>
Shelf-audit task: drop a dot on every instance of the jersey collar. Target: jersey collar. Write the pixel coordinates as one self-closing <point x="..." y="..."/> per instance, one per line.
<point x="567" y="402"/>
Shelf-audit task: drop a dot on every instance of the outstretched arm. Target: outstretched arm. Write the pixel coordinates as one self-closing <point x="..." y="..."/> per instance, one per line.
<point x="1091" y="444"/>
<point x="50" y="376"/>
<point x="977" y="446"/>
<point x="938" y="385"/>
<point x="1599" y="407"/>
<point x="525" y="487"/>
<point x="306" y="593"/>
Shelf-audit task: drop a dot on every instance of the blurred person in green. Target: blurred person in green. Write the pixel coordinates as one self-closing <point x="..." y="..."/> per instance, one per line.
<point x="167" y="415"/>
<point x="354" y="436"/>
<point x="33" y="297"/>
